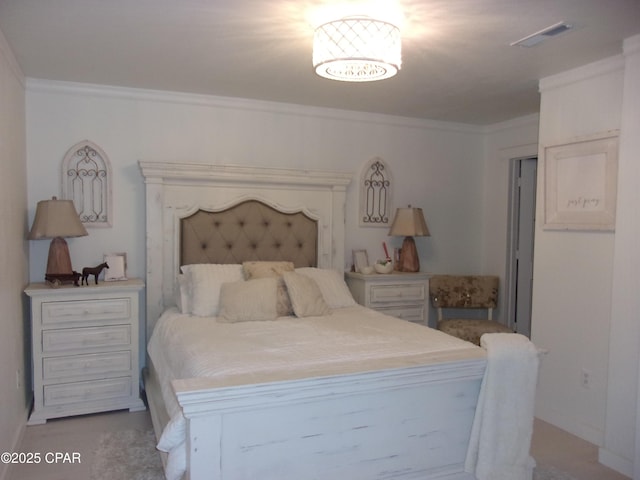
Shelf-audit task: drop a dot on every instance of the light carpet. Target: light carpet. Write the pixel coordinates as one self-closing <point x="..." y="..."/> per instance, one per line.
<point x="131" y="455"/>
<point x="127" y="455"/>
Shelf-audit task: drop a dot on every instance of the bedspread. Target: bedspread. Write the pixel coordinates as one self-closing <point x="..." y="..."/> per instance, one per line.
<point x="349" y="339"/>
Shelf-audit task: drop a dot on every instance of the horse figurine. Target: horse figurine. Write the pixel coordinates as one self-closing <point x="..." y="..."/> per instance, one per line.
<point x="95" y="271"/>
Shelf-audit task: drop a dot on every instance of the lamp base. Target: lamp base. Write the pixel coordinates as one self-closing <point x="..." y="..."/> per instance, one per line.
<point x="56" y="279"/>
<point x="59" y="260"/>
<point x="59" y="269"/>
<point x="409" y="261"/>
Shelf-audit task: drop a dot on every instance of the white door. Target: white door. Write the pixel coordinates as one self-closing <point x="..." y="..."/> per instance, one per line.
<point x="522" y="209"/>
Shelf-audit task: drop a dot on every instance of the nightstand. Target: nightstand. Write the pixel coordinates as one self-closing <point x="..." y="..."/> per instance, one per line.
<point x="399" y="294"/>
<point x="84" y="348"/>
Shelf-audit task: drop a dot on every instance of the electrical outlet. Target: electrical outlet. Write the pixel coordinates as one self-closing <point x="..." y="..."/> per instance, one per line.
<point x="585" y="378"/>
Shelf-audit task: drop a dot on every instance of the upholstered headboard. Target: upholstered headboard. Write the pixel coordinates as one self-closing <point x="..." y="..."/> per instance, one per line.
<point x="250" y="230"/>
<point x="182" y="196"/>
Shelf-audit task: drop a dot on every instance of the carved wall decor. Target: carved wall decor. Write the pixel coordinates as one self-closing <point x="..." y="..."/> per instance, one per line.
<point x="86" y="179"/>
<point x="375" y="194"/>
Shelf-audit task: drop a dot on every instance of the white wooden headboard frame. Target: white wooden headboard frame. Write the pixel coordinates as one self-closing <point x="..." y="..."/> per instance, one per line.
<point x="177" y="190"/>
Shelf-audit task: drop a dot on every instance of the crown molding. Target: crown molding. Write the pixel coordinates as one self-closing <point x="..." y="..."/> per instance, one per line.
<point x="137" y="94"/>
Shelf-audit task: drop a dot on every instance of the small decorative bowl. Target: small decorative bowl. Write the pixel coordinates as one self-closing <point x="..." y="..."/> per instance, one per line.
<point x="384" y="268"/>
<point x="368" y="270"/>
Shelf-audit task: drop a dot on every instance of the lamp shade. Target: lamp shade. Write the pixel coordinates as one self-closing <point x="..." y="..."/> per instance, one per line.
<point x="56" y="218"/>
<point x="409" y="222"/>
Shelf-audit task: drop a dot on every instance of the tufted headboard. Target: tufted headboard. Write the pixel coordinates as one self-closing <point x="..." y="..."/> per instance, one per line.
<point x="248" y="204"/>
<point x="250" y="230"/>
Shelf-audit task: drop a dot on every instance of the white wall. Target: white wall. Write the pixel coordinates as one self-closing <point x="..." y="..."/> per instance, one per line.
<point x="573" y="269"/>
<point x="573" y="274"/>
<point x="624" y="345"/>
<point x="13" y="252"/>
<point x="435" y="165"/>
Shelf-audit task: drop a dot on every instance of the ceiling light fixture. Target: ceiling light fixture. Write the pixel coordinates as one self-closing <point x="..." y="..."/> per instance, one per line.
<point x="357" y="49"/>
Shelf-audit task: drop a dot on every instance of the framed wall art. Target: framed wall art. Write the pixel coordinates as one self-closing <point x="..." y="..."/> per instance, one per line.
<point x="580" y="184"/>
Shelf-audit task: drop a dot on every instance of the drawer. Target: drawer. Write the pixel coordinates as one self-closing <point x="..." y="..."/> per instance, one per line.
<point x="412" y="313"/>
<point x="71" y="312"/>
<point x="80" y="392"/>
<point x="65" y="339"/>
<point x="90" y="364"/>
<point x="397" y="292"/>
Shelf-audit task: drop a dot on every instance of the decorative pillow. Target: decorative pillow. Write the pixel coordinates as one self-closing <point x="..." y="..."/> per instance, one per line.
<point x="305" y="295"/>
<point x="266" y="269"/>
<point x="332" y="285"/>
<point x="249" y="301"/>
<point x="204" y="281"/>
<point x="257" y="269"/>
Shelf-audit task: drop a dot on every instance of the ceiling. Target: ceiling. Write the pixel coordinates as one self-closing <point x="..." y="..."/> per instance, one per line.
<point x="457" y="63"/>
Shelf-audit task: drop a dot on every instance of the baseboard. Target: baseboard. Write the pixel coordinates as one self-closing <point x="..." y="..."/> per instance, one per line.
<point x="5" y="468"/>
<point x="615" y="462"/>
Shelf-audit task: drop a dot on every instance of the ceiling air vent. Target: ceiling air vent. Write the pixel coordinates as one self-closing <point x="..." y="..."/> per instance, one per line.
<point x="542" y="35"/>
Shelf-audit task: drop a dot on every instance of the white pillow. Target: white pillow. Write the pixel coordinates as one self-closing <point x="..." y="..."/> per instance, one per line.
<point x="183" y="294"/>
<point x="205" y="281"/>
<point x="332" y="285"/>
<point x="305" y="295"/>
<point x="247" y="301"/>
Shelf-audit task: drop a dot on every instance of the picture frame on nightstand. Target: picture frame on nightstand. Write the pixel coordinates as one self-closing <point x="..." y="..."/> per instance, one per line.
<point x="117" y="267"/>
<point x="360" y="260"/>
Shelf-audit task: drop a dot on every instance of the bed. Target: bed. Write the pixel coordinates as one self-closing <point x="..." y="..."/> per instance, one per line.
<point x="333" y="390"/>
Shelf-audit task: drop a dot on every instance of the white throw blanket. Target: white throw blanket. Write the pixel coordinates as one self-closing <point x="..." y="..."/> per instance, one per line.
<point x="503" y="425"/>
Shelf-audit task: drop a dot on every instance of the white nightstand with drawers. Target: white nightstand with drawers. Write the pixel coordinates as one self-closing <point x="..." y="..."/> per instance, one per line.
<point x="84" y="348"/>
<point x="399" y="294"/>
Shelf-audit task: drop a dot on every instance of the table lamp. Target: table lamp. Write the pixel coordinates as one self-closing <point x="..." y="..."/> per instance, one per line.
<point x="56" y="219"/>
<point x="409" y="222"/>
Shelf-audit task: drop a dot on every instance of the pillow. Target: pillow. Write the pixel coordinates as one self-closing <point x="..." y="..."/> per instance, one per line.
<point x="249" y="301"/>
<point x="257" y="269"/>
<point x="332" y="285"/>
<point x="266" y="269"/>
<point x="305" y="295"/>
<point x="183" y="294"/>
<point x="204" y="281"/>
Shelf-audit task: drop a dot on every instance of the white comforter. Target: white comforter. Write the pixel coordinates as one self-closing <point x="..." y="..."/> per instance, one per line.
<point x="184" y="346"/>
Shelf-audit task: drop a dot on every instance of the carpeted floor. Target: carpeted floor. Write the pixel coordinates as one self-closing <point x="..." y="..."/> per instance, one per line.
<point x="127" y="455"/>
<point x="549" y="473"/>
<point x="131" y="455"/>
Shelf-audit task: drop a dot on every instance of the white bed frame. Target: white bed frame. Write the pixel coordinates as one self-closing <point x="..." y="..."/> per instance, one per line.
<point x="404" y="421"/>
